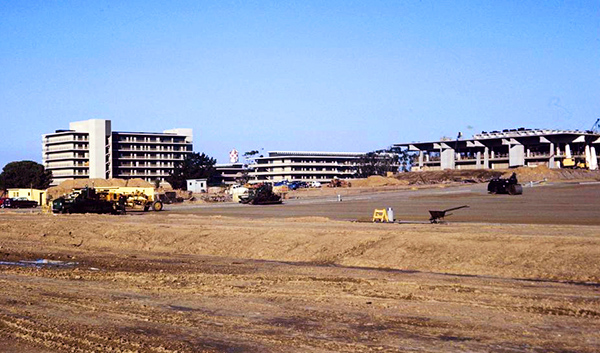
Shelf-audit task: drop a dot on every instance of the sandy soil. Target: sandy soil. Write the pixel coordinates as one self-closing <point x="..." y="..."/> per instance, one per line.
<point x="559" y="203"/>
<point x="188" y="282"/>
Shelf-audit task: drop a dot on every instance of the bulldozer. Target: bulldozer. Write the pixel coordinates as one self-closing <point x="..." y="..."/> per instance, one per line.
<point x="133" y="198"/>
<point x="509" y="186"/>
<point x="262" y="195"/>
<point x="87" y="200"/>
<point x="575" y="163"/>
<point x="114" y="200"/>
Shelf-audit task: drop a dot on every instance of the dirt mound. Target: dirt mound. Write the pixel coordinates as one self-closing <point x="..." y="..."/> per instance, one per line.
<point x="540" y="173"/>
<point x="377" y="180"/>
<point x="67" y="186"/>
<point x="448" y="176"/>
<point x="559" y="252"/>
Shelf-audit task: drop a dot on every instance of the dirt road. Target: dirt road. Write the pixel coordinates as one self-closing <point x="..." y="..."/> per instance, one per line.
<point x="170" y="282"/>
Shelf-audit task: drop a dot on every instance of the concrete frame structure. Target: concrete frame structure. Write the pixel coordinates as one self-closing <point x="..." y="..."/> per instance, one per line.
<point x="507" y="149"/>
<point x="304" y="166"/>
<point x="90" y="149"/>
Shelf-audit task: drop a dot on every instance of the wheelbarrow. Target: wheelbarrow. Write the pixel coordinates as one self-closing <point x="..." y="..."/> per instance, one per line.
<point x="438" y="216"/>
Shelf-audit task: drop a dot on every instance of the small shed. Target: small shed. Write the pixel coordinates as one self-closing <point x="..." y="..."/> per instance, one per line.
<point x="30" y="194"/>
<point x="197" y="185"/>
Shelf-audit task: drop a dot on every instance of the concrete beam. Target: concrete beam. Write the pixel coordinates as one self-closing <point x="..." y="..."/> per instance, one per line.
<point x="474" y="144"/>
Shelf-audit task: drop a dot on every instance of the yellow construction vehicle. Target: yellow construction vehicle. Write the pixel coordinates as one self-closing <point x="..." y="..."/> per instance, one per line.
<point x="575" y="163"/>
<point x="134" y="198"/>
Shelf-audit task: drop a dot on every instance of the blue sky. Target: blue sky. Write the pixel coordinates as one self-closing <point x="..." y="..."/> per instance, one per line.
<point x="296" y="75"/>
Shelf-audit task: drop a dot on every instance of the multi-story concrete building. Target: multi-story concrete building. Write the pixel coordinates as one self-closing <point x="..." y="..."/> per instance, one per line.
<point x="304" y="166"/>
<point x="231" y="173"/>
<point x="90" y="149"/>
<point x="507" y="149"/>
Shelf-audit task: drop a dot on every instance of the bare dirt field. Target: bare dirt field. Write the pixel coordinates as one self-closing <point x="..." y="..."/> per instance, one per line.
<point x="560" y="203"/>
<point x="301" y="278"/>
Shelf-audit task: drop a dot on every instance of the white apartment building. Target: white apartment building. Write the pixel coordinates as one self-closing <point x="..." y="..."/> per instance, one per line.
<point x="304" y="166"/>
<point x="230" y="173"/>
<point x="90" y="149"/>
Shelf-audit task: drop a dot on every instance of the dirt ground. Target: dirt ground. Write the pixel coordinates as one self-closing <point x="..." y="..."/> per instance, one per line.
<point x="559" y="203"/>
<point x="290" y="280"/>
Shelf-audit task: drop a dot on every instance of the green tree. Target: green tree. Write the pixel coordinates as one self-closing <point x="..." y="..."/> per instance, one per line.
<point x="382" y="161"/>
<point x="25" y="174"/>
<point x="194" y="166"/>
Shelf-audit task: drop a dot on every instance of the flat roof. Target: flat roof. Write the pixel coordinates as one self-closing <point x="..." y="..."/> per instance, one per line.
<point x="508" y="133"/>
<point x="314" y="153"/>
<point x="147" y="133"/>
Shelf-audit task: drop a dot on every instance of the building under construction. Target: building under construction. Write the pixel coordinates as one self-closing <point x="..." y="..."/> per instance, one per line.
<point x="509" y="149"/>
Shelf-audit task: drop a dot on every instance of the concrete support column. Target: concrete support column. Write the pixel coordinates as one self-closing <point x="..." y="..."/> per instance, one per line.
<point x="420" y="159"/>
<point x="478" y="160"/>
<point x="486" y="158"/>
<point x="568" y="151"/>
<point x="516" y="156"/>
<point x="594" y="158"/>
<point x="588" y="160"/>
<point x="447" y="160"/>
<point x="528" y="152"/>
<point x="427" y="157"/>
<point x="551" y="162"/>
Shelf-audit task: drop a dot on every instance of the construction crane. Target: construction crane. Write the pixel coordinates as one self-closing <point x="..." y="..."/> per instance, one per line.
<point x="596" y="127"/>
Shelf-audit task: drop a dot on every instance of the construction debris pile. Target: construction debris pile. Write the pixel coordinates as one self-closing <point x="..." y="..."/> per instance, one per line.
<point x="377" y="180"/>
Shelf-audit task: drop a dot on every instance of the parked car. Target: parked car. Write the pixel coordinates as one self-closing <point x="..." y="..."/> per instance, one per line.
<point x="2" y="200"/>
<point x="315" y="184"/>
<point x="281" y="183"/>
<point x="19" y="202"/>
<point x="295" y="185"/>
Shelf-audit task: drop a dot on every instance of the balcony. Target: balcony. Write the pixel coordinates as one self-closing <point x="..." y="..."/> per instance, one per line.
<point x="147" y="166"/>
<point x="52" y="141"/>
<point x="69" y="174"/>
<point x="65" y="165"/>
<point x="58" y="158"/>
<point x="138" y="149"/>
<point x="309" y="172"/>
<point x="139" y="158"/>
<point x="64" y="148"/>
<point x="153" y="142"/>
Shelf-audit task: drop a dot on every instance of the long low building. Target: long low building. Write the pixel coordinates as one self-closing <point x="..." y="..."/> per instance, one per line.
<point x="90" y="149"/>
<point x="508" y="149"/>
<point x="231" y="173"/>
<point x="304" y="166"/>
